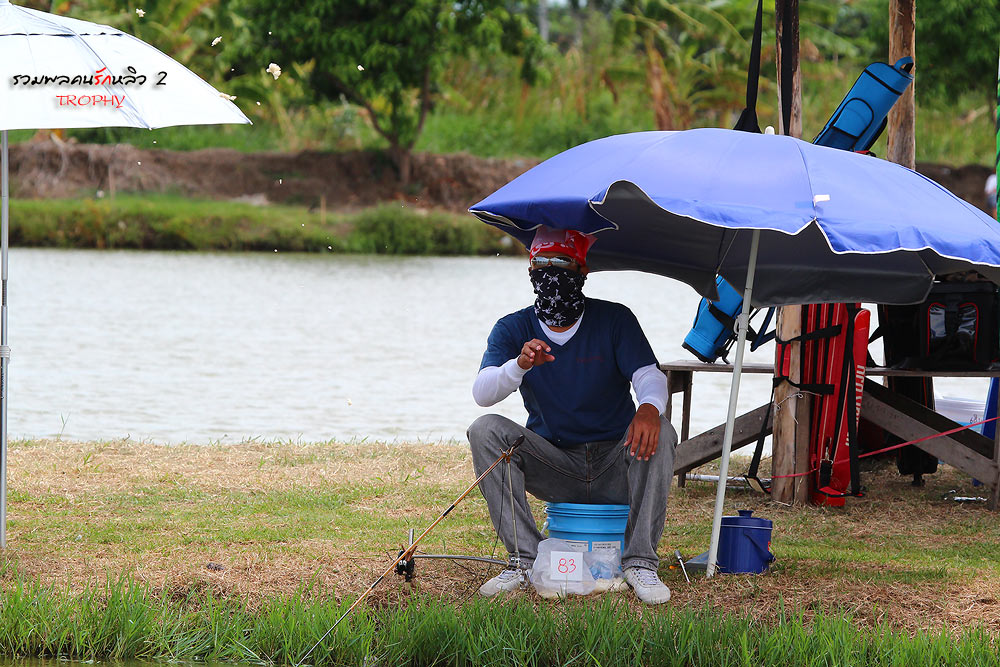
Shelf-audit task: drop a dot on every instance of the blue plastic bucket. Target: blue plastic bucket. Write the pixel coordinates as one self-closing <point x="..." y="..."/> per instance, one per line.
<point x="588" y="527"/>
<point x="745" y="544"/>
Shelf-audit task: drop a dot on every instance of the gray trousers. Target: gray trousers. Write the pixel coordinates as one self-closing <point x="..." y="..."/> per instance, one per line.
<point x="594" y="472"/>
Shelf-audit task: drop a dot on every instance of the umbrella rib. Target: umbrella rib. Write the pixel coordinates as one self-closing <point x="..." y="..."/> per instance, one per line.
<point x="722" y="254"/>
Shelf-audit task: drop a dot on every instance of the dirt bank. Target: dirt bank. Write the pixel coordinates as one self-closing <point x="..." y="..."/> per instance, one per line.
<point x="344" y="181"/>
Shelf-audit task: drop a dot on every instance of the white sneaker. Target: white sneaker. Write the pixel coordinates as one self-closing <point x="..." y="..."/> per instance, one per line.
<point x="506" y="581"/>
<point x="647" y="585"/>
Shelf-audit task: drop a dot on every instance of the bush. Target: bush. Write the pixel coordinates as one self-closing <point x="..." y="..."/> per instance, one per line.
<point x="164" y="222"/>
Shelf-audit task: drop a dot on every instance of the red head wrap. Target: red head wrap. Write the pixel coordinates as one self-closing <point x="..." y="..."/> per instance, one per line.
<point x="565" y="241"/>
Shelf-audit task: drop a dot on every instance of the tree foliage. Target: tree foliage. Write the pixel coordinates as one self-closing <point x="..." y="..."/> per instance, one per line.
<point x="696" y="51"/>
<point x="956" y="45"/>
<point x="384" y="57"/>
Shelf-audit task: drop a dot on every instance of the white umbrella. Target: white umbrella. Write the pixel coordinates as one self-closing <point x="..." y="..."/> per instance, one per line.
<point x="59" y="72"/>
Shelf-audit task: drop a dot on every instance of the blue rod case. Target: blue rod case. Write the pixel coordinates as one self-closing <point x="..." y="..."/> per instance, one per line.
<point x="713" y="324"/>
<point x="854" y="126"/>
<point x="861" y="117"/>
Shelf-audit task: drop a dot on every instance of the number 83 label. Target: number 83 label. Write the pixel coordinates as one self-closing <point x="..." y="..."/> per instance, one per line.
<point x="566" y="566"/>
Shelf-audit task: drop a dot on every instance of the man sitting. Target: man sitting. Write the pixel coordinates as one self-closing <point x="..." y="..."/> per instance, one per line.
<point x="573" y="359"/>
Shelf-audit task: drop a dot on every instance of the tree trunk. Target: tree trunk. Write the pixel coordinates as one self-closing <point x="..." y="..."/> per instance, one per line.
<point x="401" y="158"/>
<point x="902" y="116"/>
<point x="543" y="20"/>
<point x="662" y="112"/>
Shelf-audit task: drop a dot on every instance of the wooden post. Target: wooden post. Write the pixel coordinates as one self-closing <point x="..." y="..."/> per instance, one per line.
<point x="791" y="420"/>
<point x="787" y="420"/>
<point x="902" y="118"/>
<point x="792" y="7"/>
<point x="901" y="131"/>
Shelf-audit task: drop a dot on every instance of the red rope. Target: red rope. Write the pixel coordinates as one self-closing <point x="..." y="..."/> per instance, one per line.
<point x="902" y="444"/>
<point x="928" y="437"/>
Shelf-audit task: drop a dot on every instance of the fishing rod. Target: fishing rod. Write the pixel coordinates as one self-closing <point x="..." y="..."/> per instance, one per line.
<point x="407" y="553"/>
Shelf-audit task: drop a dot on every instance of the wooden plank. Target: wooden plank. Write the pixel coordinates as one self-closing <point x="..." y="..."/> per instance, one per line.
<point x="702" y="367"/>
<point x="910" y="420"/>
<point x="872" y="371"/>
<point x="933" y="420"/>
<point x="686" y="414"/>
<point x="916" y="373"/>
<point x="678" y="379"/>
<point x="708" y="445"/>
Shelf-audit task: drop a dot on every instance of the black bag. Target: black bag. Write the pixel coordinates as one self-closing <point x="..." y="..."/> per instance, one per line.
<point x="955" y="329"/>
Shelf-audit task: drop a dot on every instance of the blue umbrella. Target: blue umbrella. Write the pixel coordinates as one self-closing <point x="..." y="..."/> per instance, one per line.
<point x="791" y="221"/>
<point x="835" y="225"/>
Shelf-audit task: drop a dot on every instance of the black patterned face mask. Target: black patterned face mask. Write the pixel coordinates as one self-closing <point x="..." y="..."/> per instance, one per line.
<point x="558" y="295"/>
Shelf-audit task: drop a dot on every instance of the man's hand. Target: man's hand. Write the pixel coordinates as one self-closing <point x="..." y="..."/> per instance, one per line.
<point x="534" y="353"/>
<point x="643" y="433"/>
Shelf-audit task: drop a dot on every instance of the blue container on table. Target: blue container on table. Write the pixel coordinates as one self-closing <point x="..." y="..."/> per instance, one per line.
<point x="596" y="526"/>
<point x="713" y="323"/>
<point x="745" y="544"/>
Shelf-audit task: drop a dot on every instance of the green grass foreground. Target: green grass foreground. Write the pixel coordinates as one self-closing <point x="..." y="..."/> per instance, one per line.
<point x="124" y="621"/>
<point x="167" y="222"/>
<point x="249" y="551"/>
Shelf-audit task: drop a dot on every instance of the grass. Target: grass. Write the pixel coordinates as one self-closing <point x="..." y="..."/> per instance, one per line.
<point x="125" y="620"/>
<point x="125" y="549"/>
<point x="170" y="222"/>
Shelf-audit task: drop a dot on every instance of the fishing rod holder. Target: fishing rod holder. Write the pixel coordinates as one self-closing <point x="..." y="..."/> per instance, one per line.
<point x="407" y="567"/>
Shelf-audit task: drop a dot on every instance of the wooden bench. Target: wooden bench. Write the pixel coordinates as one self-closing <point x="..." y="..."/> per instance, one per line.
<point x="966" y="450"/>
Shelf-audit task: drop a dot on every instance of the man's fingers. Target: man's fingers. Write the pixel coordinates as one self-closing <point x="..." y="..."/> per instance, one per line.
<point x="647" y="447"/>
<point x="539" y="345"/>
<point x="652" y="440"/>
<point x="536" y="352"/>
<point x="644" y="450"/>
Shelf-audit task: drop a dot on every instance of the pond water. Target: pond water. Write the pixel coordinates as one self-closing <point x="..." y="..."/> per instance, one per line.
<point x="211" y="347"/>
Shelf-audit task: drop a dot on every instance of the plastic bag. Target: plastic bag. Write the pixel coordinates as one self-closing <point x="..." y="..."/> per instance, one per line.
<point x="601" y="570"/>
<point x="541" y="572"/>
<point x="605" y="567"/>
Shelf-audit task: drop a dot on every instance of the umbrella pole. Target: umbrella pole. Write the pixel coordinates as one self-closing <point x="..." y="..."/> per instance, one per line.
<point x="734" y="393"/>
<point x="4" y="350"/>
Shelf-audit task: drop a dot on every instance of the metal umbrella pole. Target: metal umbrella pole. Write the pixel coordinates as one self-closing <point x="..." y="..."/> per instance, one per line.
<point x="734" y="393"/>
<point x="4" y="349"/>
